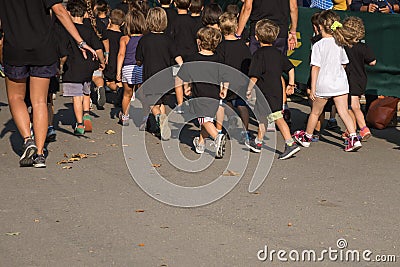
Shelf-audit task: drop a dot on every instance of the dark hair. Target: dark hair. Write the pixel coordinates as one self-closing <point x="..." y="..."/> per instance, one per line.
<point x="117" y="17"/>
<point x="314" y="19"/>
<point x="102" y="6"/>
<point x="165" y="2"/>
<point x="182" y="4"/>
<point x="234" y="9"/>
<point x="76" y="8"/>
<point x="196" y="6"/>
<point x="89" y="10"/>
<point x="139" y="5"/>
<point x="135" y="23"/>
<point x="209" y="38"/>
<point x="211" y="14"/>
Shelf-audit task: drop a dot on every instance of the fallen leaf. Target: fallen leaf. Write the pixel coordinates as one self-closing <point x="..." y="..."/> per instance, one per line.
<point x="64" y="161"/>
<point x="112" y="145"/>
<point x="36" y="220"/>
<point x="110" y="132"/>
<point x="65" y="155"/>
<point x="13" y="233"/>
<point x="156" y="165"/>
<point x="139" y="210"/>
<point x="79" y="156"/>
<point x="73" y="159"/>
<point x="94" y="153"/>
<point x="230" y="173"/>
<point x="92" y="141"/>
<point x="164" y="227"/>
<point x="256" y="193"/>
<point x="125" y="145"/>
<point x="289" y="224"/>
<point x="141" y="245"/>
<point x="67" y="167"/>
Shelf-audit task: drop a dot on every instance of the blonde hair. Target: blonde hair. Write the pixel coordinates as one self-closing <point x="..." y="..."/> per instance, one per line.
<point x="228" y="23"/>
<point x="156" y="20"/>
<point x="343" y="34"/>
<point x="209" y="38"/>
<point x="135" y="23"/>
<point x="267" y="31"/>
<point x="355" y="27"/>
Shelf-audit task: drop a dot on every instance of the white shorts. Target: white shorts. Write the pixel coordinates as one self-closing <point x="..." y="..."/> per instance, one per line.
<point x="98" y="73"/>
<point x="203" y="120"/>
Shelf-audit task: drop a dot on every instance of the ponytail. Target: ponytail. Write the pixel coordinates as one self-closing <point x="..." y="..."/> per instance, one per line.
<point x="89" y="9"/>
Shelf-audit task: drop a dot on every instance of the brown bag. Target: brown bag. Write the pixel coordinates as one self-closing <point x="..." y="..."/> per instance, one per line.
<point x="382" y="111"/>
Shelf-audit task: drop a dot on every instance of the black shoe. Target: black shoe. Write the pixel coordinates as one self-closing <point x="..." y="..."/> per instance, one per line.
<point x="253" y="146"/>
<point x="39" y="161"/>
<point x="101" y="96"/>
<point x="332" y="125"/>
<point x="51" y="135"/>
<point x="29" y="149"/>
<point x="289" y="151"/>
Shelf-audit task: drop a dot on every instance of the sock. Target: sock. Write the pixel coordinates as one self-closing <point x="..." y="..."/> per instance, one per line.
<point x="86" y="112"/>
<point x="257" y="141"/>
<point x="309" y="136"/>
<point x="80" y="124"/>
<point x="316" y="132"/>
<point x="285" y="107"/>
<point x="363" y="128"/>
<point x="289" y="142"/>
<point x="353" y="135"/>
<point x="219" y="131"/>
<point x="332" y="120"/>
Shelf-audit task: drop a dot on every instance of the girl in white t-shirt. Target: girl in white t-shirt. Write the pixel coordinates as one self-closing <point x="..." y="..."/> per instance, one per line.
<point x="328" y="77"/>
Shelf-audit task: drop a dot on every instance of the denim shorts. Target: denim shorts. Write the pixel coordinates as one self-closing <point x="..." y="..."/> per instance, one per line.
<point x="23" y="72"/>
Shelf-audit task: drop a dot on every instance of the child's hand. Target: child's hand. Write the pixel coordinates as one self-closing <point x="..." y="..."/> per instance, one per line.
<point x="222" y="94"/>
<point x="290" y="89"/>
<point x="188" y="90"/>
<point x="102" y="66"/>
<point x="248" y="95"/>
<point x="118" y="77"/>
<point x="312" y="94"/>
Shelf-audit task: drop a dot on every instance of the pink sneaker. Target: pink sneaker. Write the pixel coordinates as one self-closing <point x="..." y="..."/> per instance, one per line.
<point x="353" y="144"/>
<point x="302" y="139"/>
<point x="365" y="133"/>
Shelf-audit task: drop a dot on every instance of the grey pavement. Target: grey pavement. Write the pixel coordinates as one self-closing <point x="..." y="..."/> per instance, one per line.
<point x="94" y="214"/>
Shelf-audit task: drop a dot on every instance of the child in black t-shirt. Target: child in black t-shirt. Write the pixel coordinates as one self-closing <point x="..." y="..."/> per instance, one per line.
<point x="210" y="15"/>
<point x="267" y="66"/>
<point x="171" y="13"/>
<point x="102" y="9"/>
<point x="156" y="52"/>
<point x="78" y="70"/>
<point x="208" y="94"/>
<point x="184" y="37"/>
<point x="234" y="53"/>
<point x="117" y="19"/>
<point x="196" y="7"/>
<point x="359" y="55"/>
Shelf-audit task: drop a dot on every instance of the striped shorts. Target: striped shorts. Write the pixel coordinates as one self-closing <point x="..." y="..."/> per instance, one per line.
<point x="203" y="120"/>
<point x="132" y="74"/>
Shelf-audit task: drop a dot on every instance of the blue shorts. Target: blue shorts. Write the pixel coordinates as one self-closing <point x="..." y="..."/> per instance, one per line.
<point x="23" y="72"/>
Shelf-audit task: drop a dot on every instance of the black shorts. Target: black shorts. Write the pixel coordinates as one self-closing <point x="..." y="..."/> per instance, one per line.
<point x="23" y="72"/>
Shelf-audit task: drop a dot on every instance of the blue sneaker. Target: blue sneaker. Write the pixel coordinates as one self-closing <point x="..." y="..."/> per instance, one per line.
<point x="51" y="134"/>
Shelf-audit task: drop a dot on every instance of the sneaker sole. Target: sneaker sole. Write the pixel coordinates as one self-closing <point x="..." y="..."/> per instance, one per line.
<point x="164" y="128"/>
<point x="39" y="165"/>
<point x="253" y="149"/>
<point x="354" y="148"/>
<point x="26" y="158"/>
<point x="304" y="144"/>
<point x="101" y="100"/>
<point x="195" y="148"/>
<point x="88" y="125"/>
<point x="221" y="148"/>
<point x="366" y="137"/>
<point x="290" y="154"/>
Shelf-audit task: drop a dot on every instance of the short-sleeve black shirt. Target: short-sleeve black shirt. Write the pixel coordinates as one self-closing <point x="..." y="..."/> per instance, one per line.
<point x="28" y="32"/>
<point x="359" y="55"/>
<point x="210" y="89"/>
<point x="268" y="65"/>
<point x="77" y="69"/>
<point x="171" y="16"/>
<point x="157" y="52"/>
<point x="183" y="35"/>
<point x="111" y="69"/>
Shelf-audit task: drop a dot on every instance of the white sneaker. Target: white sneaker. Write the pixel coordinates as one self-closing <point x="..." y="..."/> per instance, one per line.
<point x="164" y="127"/>
<point x="198" y="147"/>
<point x="220" y="142"/>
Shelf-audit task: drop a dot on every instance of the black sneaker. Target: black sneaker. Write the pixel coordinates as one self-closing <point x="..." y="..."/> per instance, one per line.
<point x="101" y="96"/>
<point x="289" y="151"/>
<point x="30" y="149"/>
<point x="253" y="146"/>
<point x="51" y="134"/>
<point x="332" y="125"/>
<point x="39" y="161"/>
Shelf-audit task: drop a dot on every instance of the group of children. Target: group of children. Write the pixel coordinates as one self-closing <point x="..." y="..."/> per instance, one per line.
<point x="134" y="45"/>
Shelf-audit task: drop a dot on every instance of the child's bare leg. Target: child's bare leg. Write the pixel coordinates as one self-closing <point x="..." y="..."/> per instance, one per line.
<point x="207" y="129"/>
<point x="220" y="118"/>
<point x="316" y="111"/>
<point x="78" y="108"/>
<point x="333" y="113"/>
<point x="359" y="115"/>
<point x="341" y="103"/>
<point x="86" y="103"/>
<point x="284" y="129"/>
<point x="179" y="92"/>
<point x="126" y="100"/>
<point x="112" y="85"/>
<point x="261" y="132"/>
<point x="156" y="110"/>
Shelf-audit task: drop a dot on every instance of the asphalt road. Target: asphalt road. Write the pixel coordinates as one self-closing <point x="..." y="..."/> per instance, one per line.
<point x="94" y="214"/>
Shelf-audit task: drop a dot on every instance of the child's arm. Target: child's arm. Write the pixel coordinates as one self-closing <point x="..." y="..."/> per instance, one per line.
<point x="106" y="44"/>
<point x="100" y="56"/>
<point x="253" y="81"/>
<point x="121" y="56"/>
<point x="291" y="85"/>
<point x="373" y="63"/>
<point x="224" y="89"/>
<point x="314" y="76"/>
<point x="65" y="19"/>
<point x="179" y="60"/>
